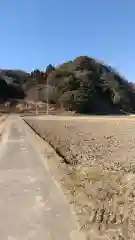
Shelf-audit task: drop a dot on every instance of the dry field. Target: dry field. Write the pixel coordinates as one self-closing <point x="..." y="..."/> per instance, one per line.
<point x="99" y="154"/>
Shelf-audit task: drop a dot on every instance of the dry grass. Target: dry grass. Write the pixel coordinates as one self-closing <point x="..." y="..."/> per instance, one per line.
<point x="100" y="182"/>
<point x="101" y="202"/>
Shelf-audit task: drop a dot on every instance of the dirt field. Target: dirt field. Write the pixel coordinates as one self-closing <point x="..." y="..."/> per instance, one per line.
<point x="100" y="182"/>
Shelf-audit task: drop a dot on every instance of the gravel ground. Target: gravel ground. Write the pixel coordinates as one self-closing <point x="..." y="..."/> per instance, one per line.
<point x="100" y="157"/>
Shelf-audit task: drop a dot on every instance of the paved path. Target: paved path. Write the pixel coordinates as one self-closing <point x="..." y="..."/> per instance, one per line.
<point x="31" y="205"/>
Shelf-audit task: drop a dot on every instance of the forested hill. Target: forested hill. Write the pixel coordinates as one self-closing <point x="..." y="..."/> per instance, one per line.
<point x="83" y="85"/>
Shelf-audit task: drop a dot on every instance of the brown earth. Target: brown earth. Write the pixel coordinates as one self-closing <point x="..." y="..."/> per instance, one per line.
<point x="100" y="180"/>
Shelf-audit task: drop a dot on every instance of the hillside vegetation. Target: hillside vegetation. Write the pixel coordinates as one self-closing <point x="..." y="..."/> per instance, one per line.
<point x="86" y="86"/>
<point x="83" y="85"/>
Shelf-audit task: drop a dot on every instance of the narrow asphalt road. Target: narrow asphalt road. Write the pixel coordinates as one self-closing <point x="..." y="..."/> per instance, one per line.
<point x="31" y="205"/>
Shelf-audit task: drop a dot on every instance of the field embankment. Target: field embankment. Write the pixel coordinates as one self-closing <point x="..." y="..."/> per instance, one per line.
<point x="100" y="158"/>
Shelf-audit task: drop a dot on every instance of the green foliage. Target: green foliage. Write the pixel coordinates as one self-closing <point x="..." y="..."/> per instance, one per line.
<point x="62" y="73"/>
<point x="67" y="65"/>
<point x="82" y="83"/>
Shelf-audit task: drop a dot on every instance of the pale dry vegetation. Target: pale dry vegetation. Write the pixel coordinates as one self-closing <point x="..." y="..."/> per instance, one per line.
<point x="100" y="181"/>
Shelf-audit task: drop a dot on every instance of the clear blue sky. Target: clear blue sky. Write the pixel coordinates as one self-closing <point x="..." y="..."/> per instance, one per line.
<point x="35" y="33"/>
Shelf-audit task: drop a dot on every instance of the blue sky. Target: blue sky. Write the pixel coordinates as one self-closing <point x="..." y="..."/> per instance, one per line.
<point x="35" y="33"/>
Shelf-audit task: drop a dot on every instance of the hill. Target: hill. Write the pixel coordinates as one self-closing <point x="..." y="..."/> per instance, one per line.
<point x="88" y="86"/>
<point x="84" y="85"/>
<point x="11" y="84"/>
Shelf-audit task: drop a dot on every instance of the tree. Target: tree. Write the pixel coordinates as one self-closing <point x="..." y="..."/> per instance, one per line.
<point x="35" y="73"/>
<point x="67" y="100"/>
<point x="48" y="93"/>
<point x="49" y="69"/>
<point x="38" y="75"/>
<point x="86" y="85"/>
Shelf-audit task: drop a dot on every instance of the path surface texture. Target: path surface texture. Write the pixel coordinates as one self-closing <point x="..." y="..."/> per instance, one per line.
<point x="31" y="204"/>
